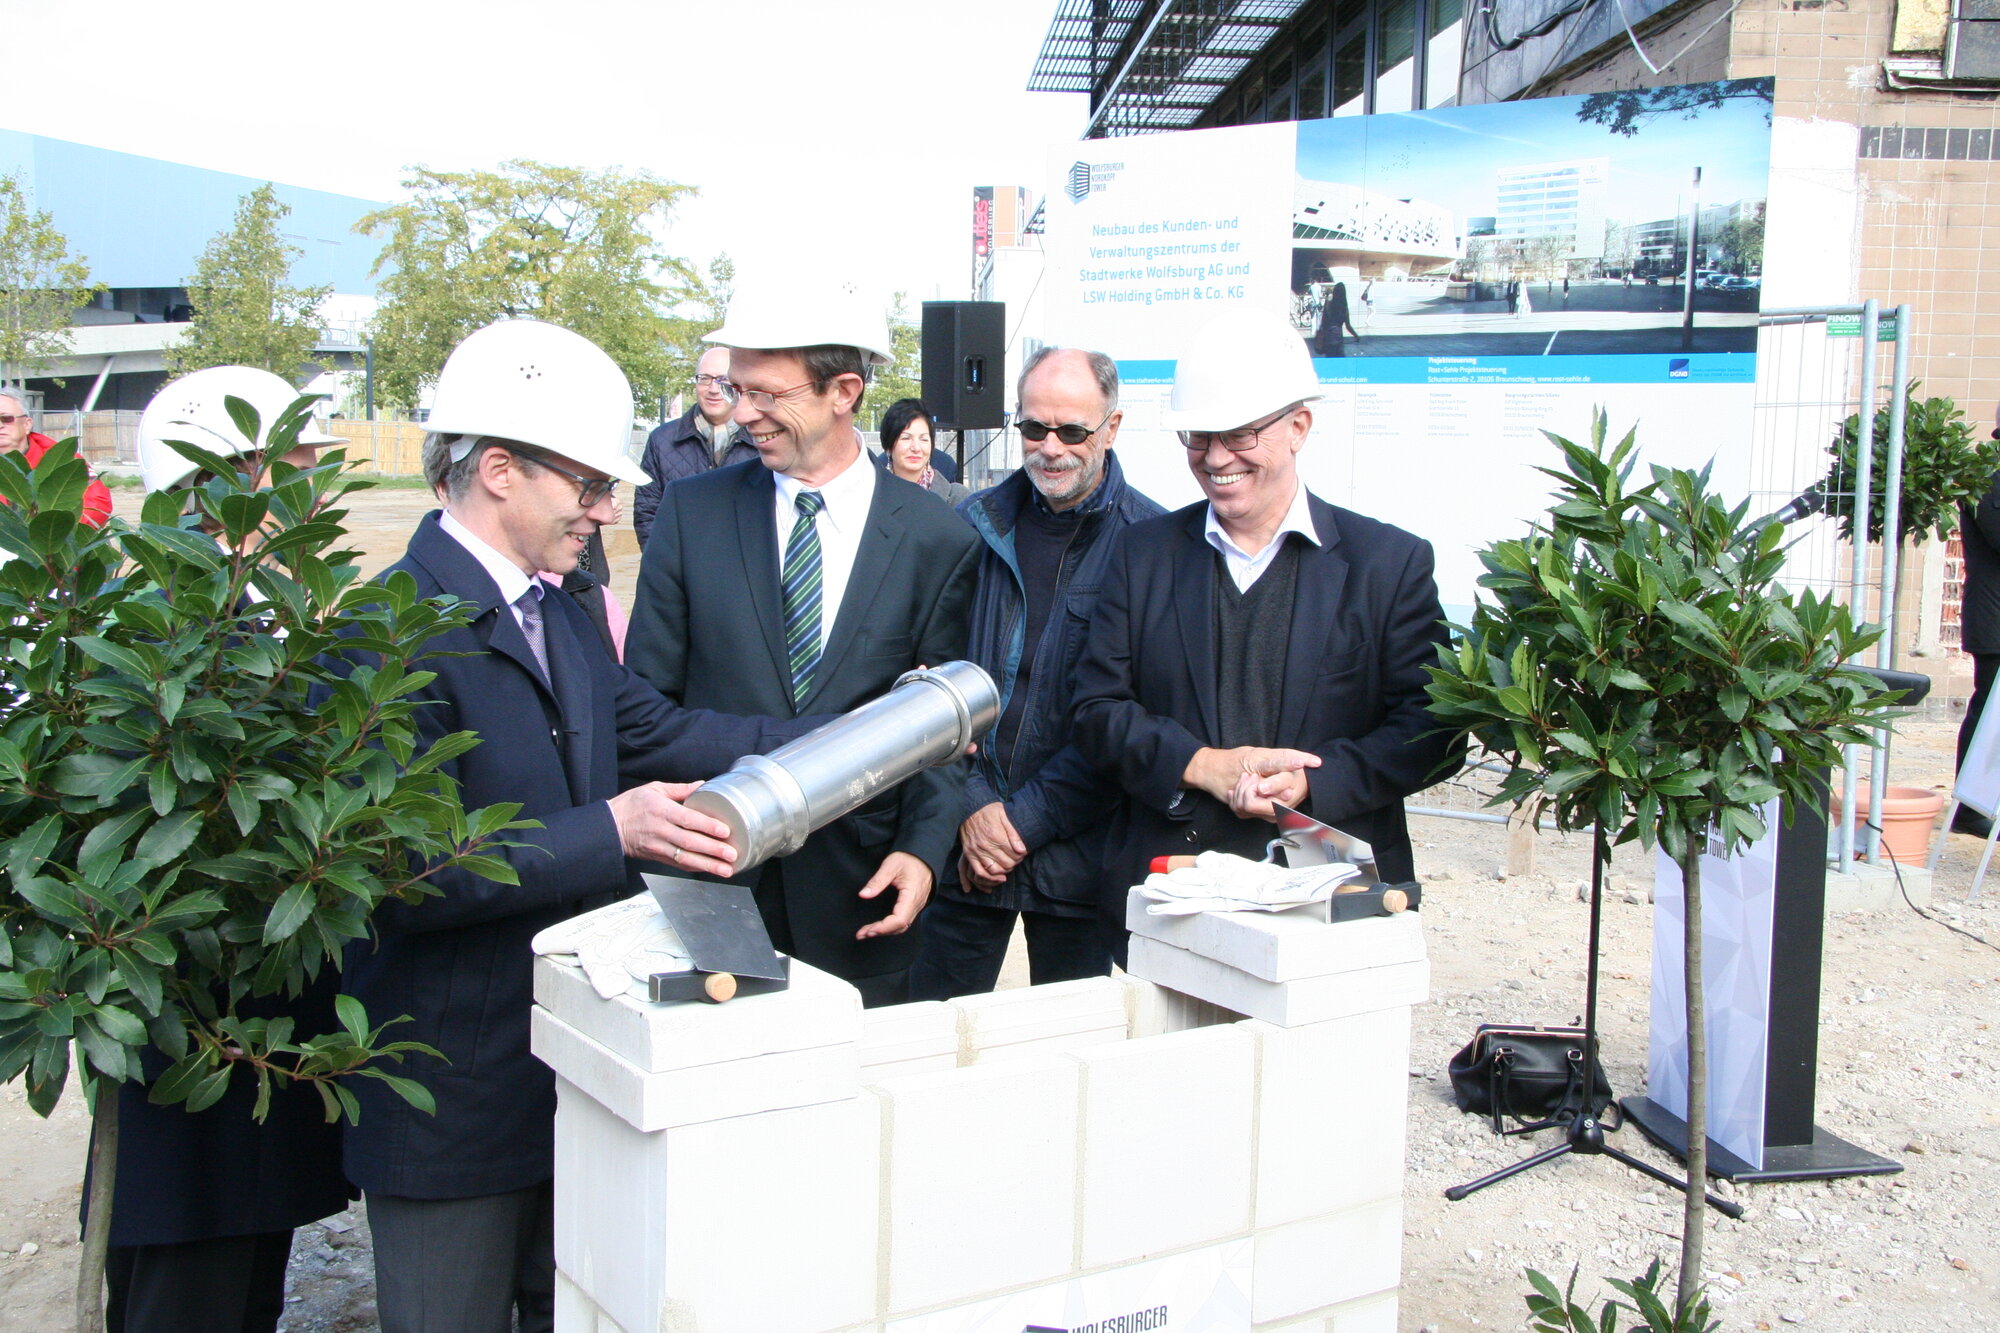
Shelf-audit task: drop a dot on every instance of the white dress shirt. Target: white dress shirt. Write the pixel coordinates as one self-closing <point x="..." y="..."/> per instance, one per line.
<point x="841" y="523"/>
<point x="505" y="572"/>
<point x="1245" y="568"/>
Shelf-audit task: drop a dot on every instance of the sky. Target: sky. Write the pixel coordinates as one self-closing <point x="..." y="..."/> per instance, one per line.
<point x="817" y="131"/>
<point x="1449" y="157"/>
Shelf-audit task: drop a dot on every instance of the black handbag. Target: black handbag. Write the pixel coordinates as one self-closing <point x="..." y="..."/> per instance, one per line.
<point x="1532" y="1075"/>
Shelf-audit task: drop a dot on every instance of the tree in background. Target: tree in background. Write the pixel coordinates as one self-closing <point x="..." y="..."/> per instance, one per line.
<point x="904" y="379"/>
<point x="246" y="313"/>
<point x="41" y="285"/>
<point x="573" y="247"/>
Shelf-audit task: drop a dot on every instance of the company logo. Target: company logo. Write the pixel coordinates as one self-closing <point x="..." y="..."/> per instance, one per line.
<point x="1677" y="368"/>
<point x="1087" y="177"/>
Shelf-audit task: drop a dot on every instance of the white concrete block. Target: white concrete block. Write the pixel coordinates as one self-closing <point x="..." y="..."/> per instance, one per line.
<point x="1312" y="1323"/>
<point x="1043" y="1019"/>
<point x="757" y="1224"/>
<point x="1152" y="1009"/>
<point x="1285" y="1003"/>
<point x="1371" y="1314"/>
<point x="657" y="1100"/>
<point x="981" y="1179"/>
<point x="818" y="1009"/>
<point x="909" y="1037"/>
<point x="577" y="1313"/>
<point x="1307" y="1265"/>
<point x="1332" y="1108"/>
<point x="1283" y="946"/>
<point x="1166" y="1143"/>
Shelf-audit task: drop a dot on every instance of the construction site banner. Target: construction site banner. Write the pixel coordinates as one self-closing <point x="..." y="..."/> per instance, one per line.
<point x="1465" y="278"/>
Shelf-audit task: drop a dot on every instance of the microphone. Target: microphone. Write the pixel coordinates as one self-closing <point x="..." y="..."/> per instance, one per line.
<point x="1802" y="505"/>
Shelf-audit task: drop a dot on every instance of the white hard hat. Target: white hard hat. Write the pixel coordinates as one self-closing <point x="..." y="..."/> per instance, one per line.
<point x="805" y="313"/>
<point x="535" y="383"/>
<point x="1242" y="365"/>
<point x="193" y="410"/>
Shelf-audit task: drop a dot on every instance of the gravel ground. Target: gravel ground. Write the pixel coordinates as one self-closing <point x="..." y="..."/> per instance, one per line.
<point x="1907" y="1068"/>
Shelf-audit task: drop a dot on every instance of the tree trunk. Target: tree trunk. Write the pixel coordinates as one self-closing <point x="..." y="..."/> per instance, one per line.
<point x="97" y="1215"/>
<point x="1694" y="1217"/>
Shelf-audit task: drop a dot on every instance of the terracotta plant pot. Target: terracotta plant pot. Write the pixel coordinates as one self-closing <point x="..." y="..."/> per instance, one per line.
<point x="1909" y="818"/>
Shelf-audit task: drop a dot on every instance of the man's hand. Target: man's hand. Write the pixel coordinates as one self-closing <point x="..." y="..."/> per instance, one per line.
<point x="653" y="825"/>
<point x="991" y="846"/>
<point x="1253" y="794"/>
<point x="911" y="879"/>
<point x="1217" y="771"/>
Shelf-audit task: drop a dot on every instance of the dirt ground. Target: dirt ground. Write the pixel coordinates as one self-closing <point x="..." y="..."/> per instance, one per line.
<point x="1907" y="1069"/>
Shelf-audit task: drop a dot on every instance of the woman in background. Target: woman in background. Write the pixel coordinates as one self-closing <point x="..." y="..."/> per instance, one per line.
<point x="907" y="431"/>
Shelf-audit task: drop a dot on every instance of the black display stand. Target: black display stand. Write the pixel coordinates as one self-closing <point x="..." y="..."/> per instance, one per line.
<point x="1794" y="1147"/>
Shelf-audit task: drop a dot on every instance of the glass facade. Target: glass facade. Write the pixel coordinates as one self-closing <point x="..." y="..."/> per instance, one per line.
<point x="1349" y="57"/>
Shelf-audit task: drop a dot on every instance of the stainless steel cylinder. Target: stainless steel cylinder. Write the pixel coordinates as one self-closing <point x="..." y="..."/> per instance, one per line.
<point x="772" y="802"/>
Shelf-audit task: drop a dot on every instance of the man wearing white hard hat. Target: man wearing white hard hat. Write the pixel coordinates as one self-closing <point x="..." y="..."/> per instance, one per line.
<point x="204" y="1204"/>
<point x="809" y="581"/>
<point x="1261" y="645"/>
<point x="528" y="440"/>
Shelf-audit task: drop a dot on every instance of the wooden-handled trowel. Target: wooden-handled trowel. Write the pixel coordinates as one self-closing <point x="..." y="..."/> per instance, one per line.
<point x="724" y="935"/>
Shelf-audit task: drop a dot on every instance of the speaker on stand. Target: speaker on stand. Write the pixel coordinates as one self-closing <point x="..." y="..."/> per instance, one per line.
<point x="965" y="367"/>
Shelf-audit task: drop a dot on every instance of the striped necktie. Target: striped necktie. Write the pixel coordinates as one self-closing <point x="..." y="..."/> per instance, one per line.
<point x="802" y="588"/>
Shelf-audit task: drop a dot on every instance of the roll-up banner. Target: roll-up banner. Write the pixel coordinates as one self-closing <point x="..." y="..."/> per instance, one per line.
<point x="1466" y="279"/>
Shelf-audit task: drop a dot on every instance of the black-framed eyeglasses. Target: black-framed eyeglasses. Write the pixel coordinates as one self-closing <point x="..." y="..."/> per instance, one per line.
<point x="1071" y="433"/>
<point x="1235" y="441"/>
<point x="761" y="399"/>
<point x="589" y="490"/>
<point x="703" y="381"/>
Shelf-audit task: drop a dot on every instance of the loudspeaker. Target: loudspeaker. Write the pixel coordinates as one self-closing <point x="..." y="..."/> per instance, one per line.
<point x="965" y="363"/>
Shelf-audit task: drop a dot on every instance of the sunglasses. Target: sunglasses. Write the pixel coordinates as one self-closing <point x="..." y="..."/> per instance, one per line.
<point x="1071" y="433"/>
<point x="9" y="418"/>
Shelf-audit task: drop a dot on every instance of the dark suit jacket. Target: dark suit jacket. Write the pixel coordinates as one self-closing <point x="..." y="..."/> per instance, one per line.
<point x="459" y="965"/>
<point x="707" y="630"/>
<point x="1365" y="623"/>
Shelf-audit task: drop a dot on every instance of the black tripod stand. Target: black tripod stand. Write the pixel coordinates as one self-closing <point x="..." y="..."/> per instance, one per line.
<point x="1584" y="1132"/>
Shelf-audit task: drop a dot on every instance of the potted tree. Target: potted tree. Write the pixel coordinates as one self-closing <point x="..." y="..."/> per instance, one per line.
<point x="208" y="779"/>
<point x="1945" y="466"/>
<point x="1638" y="667"/>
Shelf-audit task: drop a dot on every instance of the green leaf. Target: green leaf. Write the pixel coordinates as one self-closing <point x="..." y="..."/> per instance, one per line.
<point x="169" y="837"/>
<point x="416" y="1094"/>
<point x="105" y="842"/>
<point x="294" y="905"/>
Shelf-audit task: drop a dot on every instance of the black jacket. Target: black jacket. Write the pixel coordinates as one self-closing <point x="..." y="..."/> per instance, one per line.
<point x="1055" y="798"/>
<point x="676" y="450"/>
<point x="1979" y="536"/>
<point x="459" y="965"/>
<point x="707" y="630"/>
<point x="1365" y="624"/>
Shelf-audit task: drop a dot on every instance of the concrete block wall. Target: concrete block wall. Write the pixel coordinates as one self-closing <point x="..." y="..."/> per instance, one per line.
<point x="791" y="1164"/>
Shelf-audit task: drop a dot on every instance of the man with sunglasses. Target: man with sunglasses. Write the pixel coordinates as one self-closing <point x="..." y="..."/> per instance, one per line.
<point x="1261" y="645"/>
<point x="18" y="435"/>
<point x="1031" y="840"/>
<point x="529" y="438"/>
<point x="808" y="582"/>
<point x="700" y="440"/>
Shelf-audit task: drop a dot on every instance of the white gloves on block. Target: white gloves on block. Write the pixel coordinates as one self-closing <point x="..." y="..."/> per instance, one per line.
<point x="1222" y="882"/>
<point x="618" y="947"/>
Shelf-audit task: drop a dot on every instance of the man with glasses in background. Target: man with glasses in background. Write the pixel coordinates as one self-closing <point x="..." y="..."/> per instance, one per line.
<point x="700" y="440"/>
<point x="18" y="435"/>
<point x="809" y="582"/>
<point x="1262" y="645"/>
<point x="1031" y="842"/>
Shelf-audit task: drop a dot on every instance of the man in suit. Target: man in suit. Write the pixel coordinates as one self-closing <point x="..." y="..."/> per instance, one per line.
<point x="811" y="580"/>
<point x="529" y="436"/>
<point x="1261" y="645"/>
<point x="699" y="440"/>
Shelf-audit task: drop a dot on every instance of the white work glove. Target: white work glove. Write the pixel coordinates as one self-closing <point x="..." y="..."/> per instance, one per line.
<point x="618" y="947"/>
<point x="1222" y="882"/>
